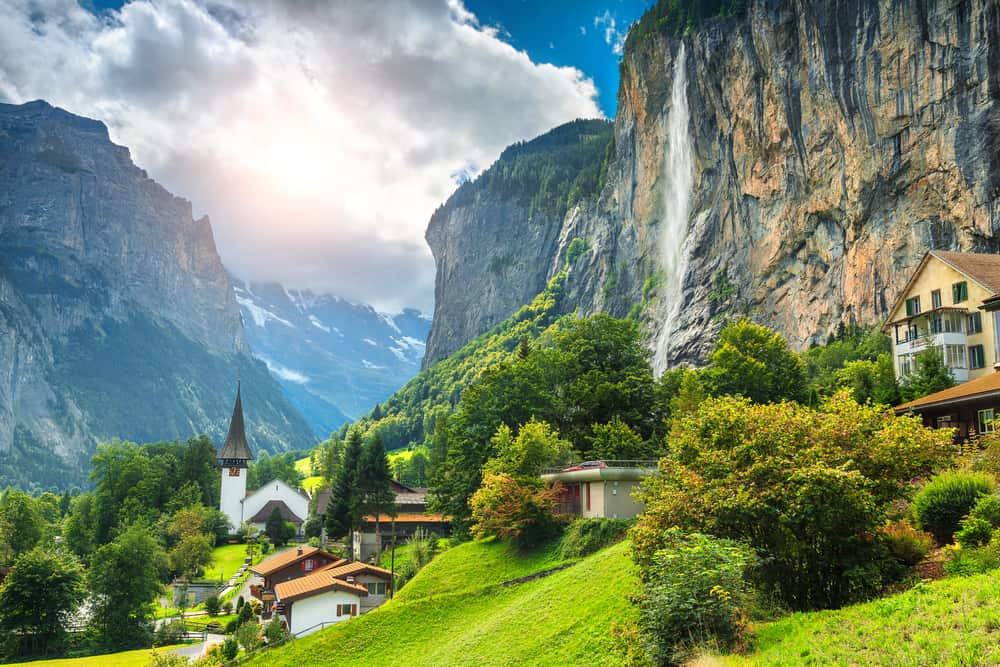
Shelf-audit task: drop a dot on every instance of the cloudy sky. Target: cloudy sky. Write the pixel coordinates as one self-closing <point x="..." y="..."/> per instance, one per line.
<point x="318" y="136"/>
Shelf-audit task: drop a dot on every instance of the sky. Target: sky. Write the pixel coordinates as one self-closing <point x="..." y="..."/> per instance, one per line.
<point x="319" y="136"/>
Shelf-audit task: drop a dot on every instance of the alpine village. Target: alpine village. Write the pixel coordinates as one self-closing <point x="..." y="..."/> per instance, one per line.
<point x="632" y="332"/>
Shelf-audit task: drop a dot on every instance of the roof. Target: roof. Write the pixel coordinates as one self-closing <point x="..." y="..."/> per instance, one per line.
<point x="265" y="512"/>
<point x="978" y="388"/>
<point x="398" y="487"/>
<point x="982" y="267"/>
<point x="409" y="517"/>
<point x="357" y="567"/>
<point x="236" y="446"/>
<point x="314" y="584"/>
<point x="323" y="500"/>
<point x="288" y="557"/>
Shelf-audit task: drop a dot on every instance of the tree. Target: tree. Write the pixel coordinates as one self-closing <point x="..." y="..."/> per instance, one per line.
<point x="275" y="528"/>
<point x="617" y="441"/>
<point x="519" y="511"/>
<point x="343" y="514"/>
<point x="192" y="552"/>
<point x="374" y="484"/>
<point x="753" y="361"/>
<point x="125" y="581"/>
<point x="931" y="375"/>
<point x="248" y="636"/>
<point x="40" y="594"/>
<point x="869" y="381"/>
<point x="20" y="525"/>
<point x="78" y="531"/>
<point x="536" y="446"/>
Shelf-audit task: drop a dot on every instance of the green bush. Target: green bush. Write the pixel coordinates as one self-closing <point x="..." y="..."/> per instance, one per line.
<point x="231" y="625"/>
<point x="966" y="562"/>
<point x="230" y="648"/>
<point x="275" y="632"/>
<point x="585" y="536"/>
<point x="974" y="532"/>
<point x="212" y="605"/>
<point x="694" y="592"/>
<point x="907" y="545"/>
<point x="169" y="633"/>
<point x="988" y="508"/>
<point x="946" y="499"/>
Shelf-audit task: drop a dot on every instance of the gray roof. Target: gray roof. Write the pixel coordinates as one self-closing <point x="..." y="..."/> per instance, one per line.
<point x="236" y="446"/>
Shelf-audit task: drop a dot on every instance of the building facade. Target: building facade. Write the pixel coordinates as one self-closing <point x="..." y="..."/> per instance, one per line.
<point x="601" y="489"/>
<point x="234" y="459"/>
<point x="952" y="304"/>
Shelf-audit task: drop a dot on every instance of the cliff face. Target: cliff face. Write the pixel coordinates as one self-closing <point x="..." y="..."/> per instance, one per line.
<point x="117" y="318"/>
<point x="832" y="142"/>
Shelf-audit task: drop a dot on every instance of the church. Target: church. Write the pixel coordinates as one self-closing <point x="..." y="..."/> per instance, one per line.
<point x="234" y="460"/>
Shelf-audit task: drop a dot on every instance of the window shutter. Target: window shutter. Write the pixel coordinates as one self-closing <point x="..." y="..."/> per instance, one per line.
<point x="354" y="610"/>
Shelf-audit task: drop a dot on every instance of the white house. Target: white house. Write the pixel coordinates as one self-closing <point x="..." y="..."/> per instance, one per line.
<point x="293" y="504"/>
<point x="319" y="600"/>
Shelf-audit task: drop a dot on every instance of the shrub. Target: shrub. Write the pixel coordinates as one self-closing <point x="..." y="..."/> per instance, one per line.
<point x="231" y="625"/>
<point x="275" y="632"/>
<point x="964" y="561"/>
<point x="694" y="591"/>
<point x="248" y="636"/>
<point x="974" y="532"/>
<point x="585" y="536"/>
<point x="239" y="604"/>
<point x="907" y="545"/>
<point x="230" y="648"/>
<point x="169" y="633"/>
<point x="946" y="499"/>
<point x="988" y="508"/>
<point x="255" y="606"/>
<point x="227" y="607"/>
<point x="212" y="605"/>
<point x="522" y="512"/>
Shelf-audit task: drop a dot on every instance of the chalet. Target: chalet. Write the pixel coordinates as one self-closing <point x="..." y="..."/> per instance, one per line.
<point x="600" y="489"/>
<point x="291" y="503"/>
<point x="951" y="303"/>
<point x="291" y="564"/>
<point x="970" y="407"/>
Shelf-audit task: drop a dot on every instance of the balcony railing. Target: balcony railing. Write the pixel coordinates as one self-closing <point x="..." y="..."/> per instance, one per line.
<point x="609" y="463"/>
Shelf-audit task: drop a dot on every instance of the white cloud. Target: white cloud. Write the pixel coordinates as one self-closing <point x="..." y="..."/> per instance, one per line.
<point x="583" y="30"/>
<point x="318" y="136"/>
<point x="612" y="35"/>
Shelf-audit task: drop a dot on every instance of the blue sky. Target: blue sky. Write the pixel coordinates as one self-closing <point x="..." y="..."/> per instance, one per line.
<point x="577" y="33"/>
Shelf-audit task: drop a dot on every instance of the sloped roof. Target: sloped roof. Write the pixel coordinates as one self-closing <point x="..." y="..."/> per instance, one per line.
<point x="323" y="500"/>
<point x="313" y="584"/>
<point x="236" y="446"/>
<point x="355" y="568"/>
<point x="978" y="388"/>
<point x="984" y="268"/>
<point x="408" y="517"/>
<point x="265" y="512"/>
<point x="288" y="557"/>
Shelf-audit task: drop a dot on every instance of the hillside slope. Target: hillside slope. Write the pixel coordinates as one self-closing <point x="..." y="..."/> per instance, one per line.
<point x="563" y="619"/>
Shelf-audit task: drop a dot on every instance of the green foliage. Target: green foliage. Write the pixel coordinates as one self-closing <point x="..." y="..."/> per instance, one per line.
<point x="536" y="446"/>
<point x="411" y="557"/>
<point x="411" y="467"/>
<point x="753" y="361"/>
<point x="275" y="632"/>
<point x="931" y="375"/>
<point x="519" y="511"/>
<point x="248" y="636"/>
<point x="266" y="468"/>
<point x="38" y="598"/>
<point x="988" y="509"/>
<point x="20" y="525"/>
<point x="212" y="605"/>
<point x="679" y="17"/>
<point x="806" y="488"/>
<point x="276" y="528"/>
<point x="193" y="552"/>
<point x="973" y="532"/>
<point x="125" y="581"/>
<point x="907" y="545"/>
<point x="695" y="592"/>
<point x="943" y="502"/>
<point x="576" y="248"/>
<point x="616" y="440"/>
<point x="967" y="560"/>
<point x="344" y="513"/>
<point x="586" y="536"/>
<point x="374" y="480"/>
<point x="170" y="633"/>
<point x="230" y="648"/>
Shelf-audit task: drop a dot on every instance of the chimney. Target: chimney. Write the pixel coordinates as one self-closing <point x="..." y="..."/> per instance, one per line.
<point x="300" y="551"/>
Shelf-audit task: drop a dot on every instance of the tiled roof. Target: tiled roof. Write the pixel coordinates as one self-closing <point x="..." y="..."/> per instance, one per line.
<point x="985" y="385"/>
<point x="408" y="517"/>
<point x="984" y="268"/>
<point x="265" y="512"/>
<point x="355" y="568"/>
<point x="313" y="584"/>
<point x="286" y="558"/>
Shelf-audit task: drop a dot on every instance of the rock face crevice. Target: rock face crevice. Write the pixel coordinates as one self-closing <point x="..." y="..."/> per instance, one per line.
<point x="117" y="318"/>
<point x="834" y="143"/>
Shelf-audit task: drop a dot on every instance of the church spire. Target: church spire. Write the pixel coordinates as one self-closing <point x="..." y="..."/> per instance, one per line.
<point x="236" y="447"/>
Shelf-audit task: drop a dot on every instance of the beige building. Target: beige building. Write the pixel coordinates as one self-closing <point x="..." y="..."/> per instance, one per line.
<point x="952" y="302"/>
<point x="601" y="489"/>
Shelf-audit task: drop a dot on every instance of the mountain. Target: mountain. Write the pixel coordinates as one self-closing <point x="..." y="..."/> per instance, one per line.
<point x="791" y="161"/>
<point x="117" y="318"/>
<point x="335" y="359"/>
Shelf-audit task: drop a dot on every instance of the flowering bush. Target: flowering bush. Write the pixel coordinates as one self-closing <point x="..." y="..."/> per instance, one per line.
<point x="519" y="511"/>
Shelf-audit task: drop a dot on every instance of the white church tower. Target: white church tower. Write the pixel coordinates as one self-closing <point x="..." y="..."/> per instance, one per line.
<point x="233" y="459"/>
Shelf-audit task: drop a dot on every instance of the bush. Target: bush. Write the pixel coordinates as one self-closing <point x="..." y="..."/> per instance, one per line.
<point x="275" y="632"/>
<point x="974" y="532"/>
<point x="964" y="561"/>
<point x="227" y="607"/>
<point x="169" y="633"/>
<point x="256" y="606"/>
<point x="695" y="591"/>
<point x="988" y="508"/>
<point x="239" y="604"/>
<point x="230" y="648"/>
<point x="231" y="626"/>
<point x="248" y="636"/>
<point x="212" y="605"/>
<point x="585" y="536"/>
<point x="907" y="545"/>
<point x="519" y="511"/>
<point x="946" y="499"/>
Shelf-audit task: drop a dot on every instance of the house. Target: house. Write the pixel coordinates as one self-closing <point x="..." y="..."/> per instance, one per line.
<point x="968" y="407"/>
<point x="951" y="302"/>
<point x="600" y="489"/>
<point x="334" y="593"/>
<point x="288" y="565"/>
<point x="234" y="459"/>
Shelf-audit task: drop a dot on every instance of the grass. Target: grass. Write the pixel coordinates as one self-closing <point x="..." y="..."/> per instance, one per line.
<point x="304" y="466"/>
<point x="949" y="622"/>
<point x="228" y="558"/>
<point x="473" y="565"/>
<point x="563" y="619"/>
<point x="138" y="658"/>
<point x="310" y="484"/>
<point x="202" y="621"/>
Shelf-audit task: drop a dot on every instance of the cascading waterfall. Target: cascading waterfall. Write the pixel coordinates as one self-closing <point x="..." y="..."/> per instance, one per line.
<point x="678" y="180"/>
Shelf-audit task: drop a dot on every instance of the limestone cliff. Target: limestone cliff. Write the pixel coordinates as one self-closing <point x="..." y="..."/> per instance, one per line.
<point x="833" y="142"/>
<point x="117" y="318"/>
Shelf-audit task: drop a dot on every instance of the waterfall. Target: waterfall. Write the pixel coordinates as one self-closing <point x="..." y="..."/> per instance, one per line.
<point x="677" y="182"/>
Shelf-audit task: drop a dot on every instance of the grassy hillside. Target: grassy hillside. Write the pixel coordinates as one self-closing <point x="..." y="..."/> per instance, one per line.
<point x="948" y="622"/>
<point x="563" y="619"/>
<point x="138" y="658"/>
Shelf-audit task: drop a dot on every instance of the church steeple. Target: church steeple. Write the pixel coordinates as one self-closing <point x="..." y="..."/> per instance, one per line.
<point x="236" y="447"/>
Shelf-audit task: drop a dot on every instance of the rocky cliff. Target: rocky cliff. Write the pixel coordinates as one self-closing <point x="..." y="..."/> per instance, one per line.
<point x="832" y="142"/>
<point x="117" y="318"/>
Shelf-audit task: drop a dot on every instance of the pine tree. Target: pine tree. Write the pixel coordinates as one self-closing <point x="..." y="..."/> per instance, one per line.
<point x="374" y="481"/>
<point x="343" y="514"/>
<point x="275" y="528"/>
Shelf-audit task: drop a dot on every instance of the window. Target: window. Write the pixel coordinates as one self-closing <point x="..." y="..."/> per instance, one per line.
<point x="347" y="610"/>
<point x="936" y="299"/>
<point x="912" y="333"/>
<point x="960" y="292"/>
<point x="975" y="323"/>
<point x="308" y="565"/>
<point x="376" y="588"/>
<point x="905" y="364"/>
<point x="976" y="357"/>
<point x="986" y="424"/>
<point x="954" y="356"/>
<point x="953" y="323"/>
<point x="936" y="326"/>
<point x="913" y="306"/>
